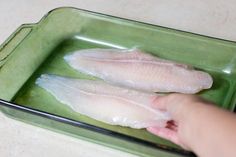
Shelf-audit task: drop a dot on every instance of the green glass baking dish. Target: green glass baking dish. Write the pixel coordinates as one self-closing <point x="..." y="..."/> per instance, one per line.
<point x="39" y="48"/>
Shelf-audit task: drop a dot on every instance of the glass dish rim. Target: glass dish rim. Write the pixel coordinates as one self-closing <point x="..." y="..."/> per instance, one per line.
<point x="132" y="20"/>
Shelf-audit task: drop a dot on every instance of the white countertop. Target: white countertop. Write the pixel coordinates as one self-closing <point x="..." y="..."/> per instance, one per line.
<point x="216" y="18"/>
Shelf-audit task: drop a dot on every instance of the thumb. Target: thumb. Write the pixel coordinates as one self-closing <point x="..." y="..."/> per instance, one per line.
<point x="165" y="133"/>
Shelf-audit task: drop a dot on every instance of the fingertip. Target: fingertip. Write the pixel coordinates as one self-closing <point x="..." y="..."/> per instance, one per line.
<point x="157" y="103"/>
<point x="154" y="130"/>
<point x="161" y="132"/>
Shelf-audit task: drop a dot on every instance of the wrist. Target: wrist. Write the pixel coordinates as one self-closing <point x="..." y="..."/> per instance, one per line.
<point x="192" y="119"/>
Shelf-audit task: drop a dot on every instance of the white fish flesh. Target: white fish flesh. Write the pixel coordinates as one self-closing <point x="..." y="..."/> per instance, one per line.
<point x="101" y="101"/>
<point x="139" y="70"/>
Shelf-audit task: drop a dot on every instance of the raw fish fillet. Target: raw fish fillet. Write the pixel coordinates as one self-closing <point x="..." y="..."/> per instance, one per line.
<point x="138" y="70"/>
<point x="104" y="102"/>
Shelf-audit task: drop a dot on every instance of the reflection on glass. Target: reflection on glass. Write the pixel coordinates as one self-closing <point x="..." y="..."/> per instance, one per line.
<point x="99" y="42"/>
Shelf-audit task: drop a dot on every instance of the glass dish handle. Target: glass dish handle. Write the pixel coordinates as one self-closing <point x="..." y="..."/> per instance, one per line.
<point x="13" y="41"/>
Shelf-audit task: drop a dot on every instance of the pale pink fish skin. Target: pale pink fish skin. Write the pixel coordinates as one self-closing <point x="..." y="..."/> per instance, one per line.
<point x="104" y="102"/>
<point x="139" y="70"/>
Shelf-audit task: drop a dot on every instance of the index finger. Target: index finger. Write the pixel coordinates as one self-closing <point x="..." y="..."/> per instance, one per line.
<point x="159" y="102"/>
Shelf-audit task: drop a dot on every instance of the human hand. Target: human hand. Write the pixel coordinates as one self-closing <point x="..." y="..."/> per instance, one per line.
<point x="197" y="125"/>
<point x="181" y="107"/>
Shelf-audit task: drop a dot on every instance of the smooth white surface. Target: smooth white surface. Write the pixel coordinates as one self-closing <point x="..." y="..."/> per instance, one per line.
<point x="215" y="18"/>
<point x="18" y="139"/>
